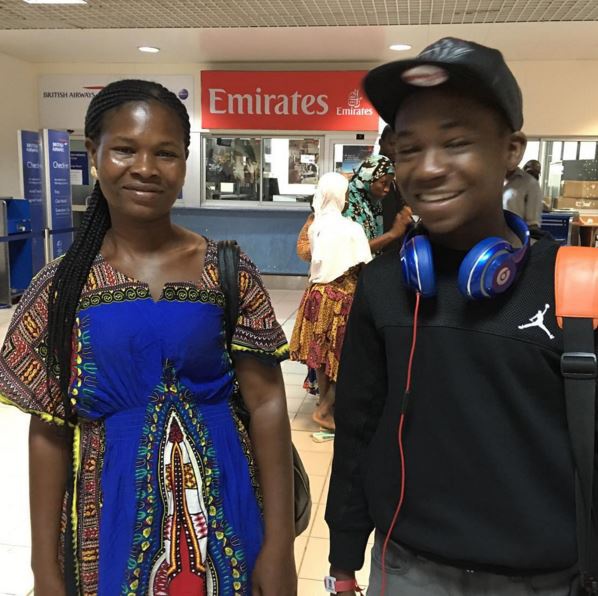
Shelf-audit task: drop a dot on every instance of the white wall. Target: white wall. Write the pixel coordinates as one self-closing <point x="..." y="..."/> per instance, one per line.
<point x="559" y="96"/>
<point x="18" y="109"/>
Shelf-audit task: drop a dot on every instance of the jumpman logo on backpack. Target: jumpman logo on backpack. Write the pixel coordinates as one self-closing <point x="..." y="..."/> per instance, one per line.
<point x="538" y="321"/>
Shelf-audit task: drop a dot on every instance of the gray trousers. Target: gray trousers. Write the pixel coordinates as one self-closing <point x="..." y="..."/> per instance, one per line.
<point x="408" y="574"/>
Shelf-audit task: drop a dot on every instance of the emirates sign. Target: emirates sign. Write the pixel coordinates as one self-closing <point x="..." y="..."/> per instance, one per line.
<point x="285" y="100"/>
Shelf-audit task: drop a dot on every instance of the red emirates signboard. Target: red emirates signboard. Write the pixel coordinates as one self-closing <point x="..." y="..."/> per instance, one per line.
<point x="286" y="100"/>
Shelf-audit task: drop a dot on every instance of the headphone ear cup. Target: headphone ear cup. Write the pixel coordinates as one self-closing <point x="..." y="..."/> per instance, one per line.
<point x="487" y="269"/>
<point x="501" y="274"/>
<point x="418" y="265"/>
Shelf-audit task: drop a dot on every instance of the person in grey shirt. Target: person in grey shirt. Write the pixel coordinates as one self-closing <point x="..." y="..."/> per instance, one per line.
<point x="522" y="195"/>
<point x="534" y="168"/>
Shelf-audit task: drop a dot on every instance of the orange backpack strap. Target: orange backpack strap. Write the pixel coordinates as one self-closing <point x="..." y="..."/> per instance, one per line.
<point x="576" y="283"/>
<point x="576" y="293"/>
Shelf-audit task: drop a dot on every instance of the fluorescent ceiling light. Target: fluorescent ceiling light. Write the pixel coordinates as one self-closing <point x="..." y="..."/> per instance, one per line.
<point x="55" y="1"/>
<point x="400" y="47"/>
<point x="148" y="49"/>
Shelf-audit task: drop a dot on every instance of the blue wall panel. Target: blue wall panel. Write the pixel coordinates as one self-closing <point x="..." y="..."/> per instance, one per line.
<point x="268" y="237"/>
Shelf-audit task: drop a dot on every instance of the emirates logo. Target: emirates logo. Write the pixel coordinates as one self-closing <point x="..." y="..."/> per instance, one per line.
<point x="354" y="100"/>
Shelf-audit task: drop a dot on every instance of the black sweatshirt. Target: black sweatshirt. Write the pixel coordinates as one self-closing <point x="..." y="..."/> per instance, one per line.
<point x="489" y="468"/>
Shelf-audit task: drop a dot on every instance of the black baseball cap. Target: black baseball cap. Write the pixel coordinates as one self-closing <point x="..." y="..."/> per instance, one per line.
<point x="464" y="64"/>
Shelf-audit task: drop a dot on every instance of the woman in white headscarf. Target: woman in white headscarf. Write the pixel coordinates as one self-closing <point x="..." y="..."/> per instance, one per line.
<point x="339" y="247"/>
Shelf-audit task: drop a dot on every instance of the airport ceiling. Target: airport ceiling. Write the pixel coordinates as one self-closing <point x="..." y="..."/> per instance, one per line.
<point x="322" y="32"/>
<point x="210" y="14"/>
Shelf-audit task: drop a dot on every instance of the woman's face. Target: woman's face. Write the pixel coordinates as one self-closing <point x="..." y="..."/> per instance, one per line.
<point x="380" y="188"/>
<point x="141" y="160"/>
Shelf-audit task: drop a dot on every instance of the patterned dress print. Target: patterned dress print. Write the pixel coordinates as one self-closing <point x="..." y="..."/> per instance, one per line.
<point x="166" y="500"/>
<point x="321" y="322"/>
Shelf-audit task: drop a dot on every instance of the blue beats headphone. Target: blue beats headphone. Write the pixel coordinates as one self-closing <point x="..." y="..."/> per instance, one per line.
<point x="488" y="269"/>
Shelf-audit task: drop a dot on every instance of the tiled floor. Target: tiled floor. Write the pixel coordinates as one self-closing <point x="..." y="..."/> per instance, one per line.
<point x="311" y="549"/>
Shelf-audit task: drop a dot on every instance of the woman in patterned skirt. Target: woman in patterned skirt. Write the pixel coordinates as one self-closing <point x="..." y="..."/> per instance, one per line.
<point x="338" y="249"/>
<point x="143" y="479"/>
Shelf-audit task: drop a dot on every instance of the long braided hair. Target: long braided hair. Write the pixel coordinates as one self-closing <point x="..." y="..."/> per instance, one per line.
<point x="73" y="270"/>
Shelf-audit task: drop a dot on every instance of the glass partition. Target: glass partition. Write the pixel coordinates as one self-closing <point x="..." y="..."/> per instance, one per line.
<point x="261" y="169"/>
<point x="232" y="168"/>
<point x="571" y="171"/>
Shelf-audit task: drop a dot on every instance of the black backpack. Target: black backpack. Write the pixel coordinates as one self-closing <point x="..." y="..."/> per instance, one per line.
<point x="228" y="272"/>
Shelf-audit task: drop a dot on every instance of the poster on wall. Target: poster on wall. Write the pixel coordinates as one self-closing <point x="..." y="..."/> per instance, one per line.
<point x="63" y="99"/>
<point x="286" y="100"/>
<point x="353" y="155"/>
<point x="32" y="188"/>
<point x="79" y="168"/>
<point x="303" y="161"/>
<point x="57" y="187"/>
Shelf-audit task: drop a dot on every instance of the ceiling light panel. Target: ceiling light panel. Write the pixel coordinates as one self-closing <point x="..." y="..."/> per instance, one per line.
<point x="55" y="1"/>
<point x="115" y="14"/>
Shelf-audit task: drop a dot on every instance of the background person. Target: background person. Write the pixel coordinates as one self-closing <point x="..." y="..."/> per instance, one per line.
<point x="304" y="253"/>
<point x="393" y="203"/>
<point x="533" y="168"/>
<point x="338" y="249"/>
<point x="523" y="196"/>
<point x="369" y="185"/>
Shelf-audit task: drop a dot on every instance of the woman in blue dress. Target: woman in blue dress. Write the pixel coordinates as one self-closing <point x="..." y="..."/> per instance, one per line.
<point x="143" y="479"/>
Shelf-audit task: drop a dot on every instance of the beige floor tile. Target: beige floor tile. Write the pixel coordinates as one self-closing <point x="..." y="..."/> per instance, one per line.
<point x="325" y="490"/>
<point x="315" y="562"/>
<point x="305" y="422"/>
<point x="295" y="392"/>
<point x="304" y="442"/>
<point x="319" y="528"/>
<point x="314" y="510"/>
<point x="311" y="587"/>
<point x="300" y="544"/>
<point x="316" y="486"/>
<point x="291" y="380"/>
<point x="316" y="464"/>
<point x="293" y="367"/>
<point x="294" y="404"/>
<point x="308" y="407"/>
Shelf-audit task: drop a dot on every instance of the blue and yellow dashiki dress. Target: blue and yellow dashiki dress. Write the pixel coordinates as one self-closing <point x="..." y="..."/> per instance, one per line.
<point x="166" y="499"/>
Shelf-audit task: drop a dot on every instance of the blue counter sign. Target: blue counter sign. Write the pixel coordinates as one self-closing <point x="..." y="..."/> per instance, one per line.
<point x="58" y="191"/>
<point x="32" y="189"/>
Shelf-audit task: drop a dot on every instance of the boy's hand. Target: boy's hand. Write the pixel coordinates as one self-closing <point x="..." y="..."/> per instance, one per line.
<point x="341" y="575"/>
<point x="400" y="223"/>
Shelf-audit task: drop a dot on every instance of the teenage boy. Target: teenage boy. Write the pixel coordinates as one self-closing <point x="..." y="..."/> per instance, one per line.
<point x="489" y="503"/>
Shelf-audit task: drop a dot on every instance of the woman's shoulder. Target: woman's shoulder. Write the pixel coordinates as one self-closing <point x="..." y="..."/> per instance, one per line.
<point x="247" y="268"/>
<point x="43" y="278"/>
<point x="245" y="261"/>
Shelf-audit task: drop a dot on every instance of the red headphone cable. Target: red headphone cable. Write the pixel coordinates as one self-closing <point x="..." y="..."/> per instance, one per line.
<point x="400" y="441"/>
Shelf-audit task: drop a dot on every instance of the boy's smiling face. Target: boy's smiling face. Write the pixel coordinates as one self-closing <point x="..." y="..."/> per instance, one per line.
<point x="452" y="156"/>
